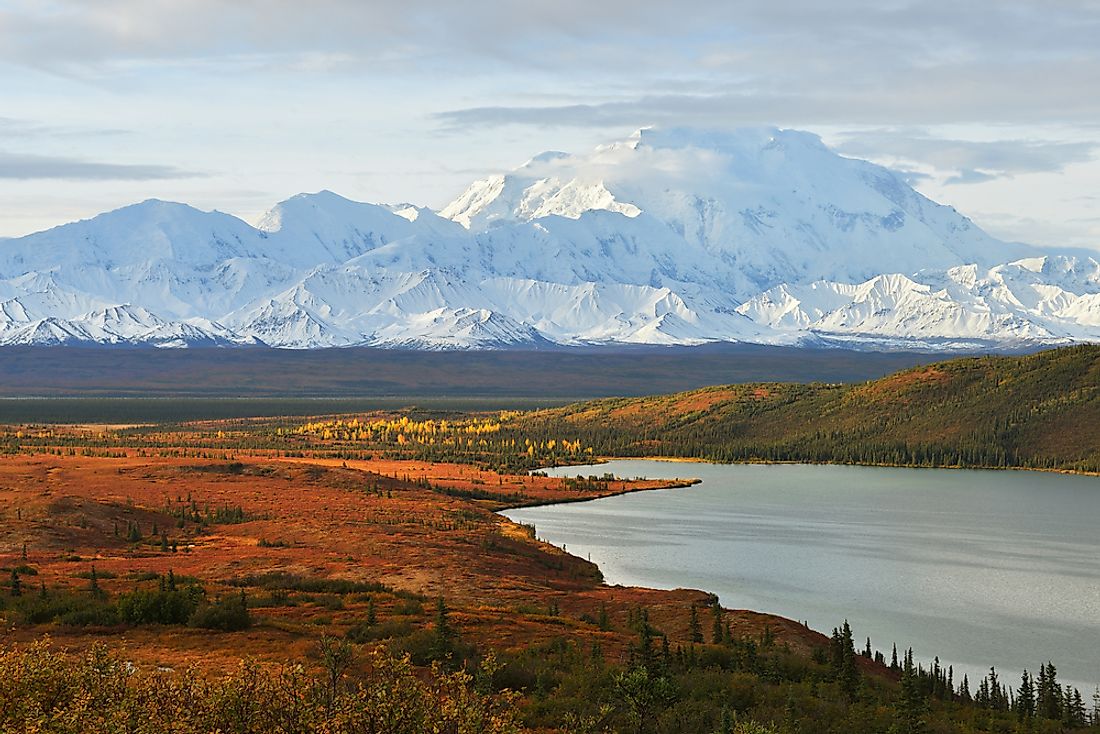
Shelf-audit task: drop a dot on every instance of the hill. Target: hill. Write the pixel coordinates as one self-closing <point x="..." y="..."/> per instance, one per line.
<point x="1036" y="411"/>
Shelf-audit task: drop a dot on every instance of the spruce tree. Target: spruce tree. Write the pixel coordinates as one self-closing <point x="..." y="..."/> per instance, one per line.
<point x="1025" y="698"/>
<point x="443" y="631"/>
<point x="718" y="630"/>
<point x="844" y="667"/>
<point x="645" y="653"/>
<point x="695" y="629"/>
<point x="910" y="707"/>
<point x="1049" y="693"/>
<point x="93" y="584"/>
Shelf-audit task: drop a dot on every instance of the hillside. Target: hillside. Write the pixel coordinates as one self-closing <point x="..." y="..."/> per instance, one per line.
<point x="1040" y="411"/>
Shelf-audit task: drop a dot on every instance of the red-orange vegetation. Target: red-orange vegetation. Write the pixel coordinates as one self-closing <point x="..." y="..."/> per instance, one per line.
<point x="387" y="521"/>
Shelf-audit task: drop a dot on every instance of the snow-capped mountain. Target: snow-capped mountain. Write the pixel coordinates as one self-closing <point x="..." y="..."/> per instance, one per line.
<point x="1046" y="300"/>
<point x="669" y="237"/>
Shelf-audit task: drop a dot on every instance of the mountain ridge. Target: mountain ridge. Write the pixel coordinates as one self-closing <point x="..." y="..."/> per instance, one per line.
<point x="672" y="236"/>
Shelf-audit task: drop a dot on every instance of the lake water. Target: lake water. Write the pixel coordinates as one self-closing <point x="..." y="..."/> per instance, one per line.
<point x="978" y="567"/>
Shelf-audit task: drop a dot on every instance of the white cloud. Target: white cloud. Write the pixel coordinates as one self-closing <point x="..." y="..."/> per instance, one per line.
<point x="279" y="96"/>
<point x="23" y="167"/>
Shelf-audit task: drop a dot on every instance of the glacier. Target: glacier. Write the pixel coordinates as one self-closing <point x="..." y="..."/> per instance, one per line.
<point x="669" y="237"/>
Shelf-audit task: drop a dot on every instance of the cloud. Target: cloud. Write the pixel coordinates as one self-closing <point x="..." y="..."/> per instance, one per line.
<point x="970" y="176"/>
<point x="11" y="127"/>
<point x="1049" y="93"/>
<point x="967" y="161"/>
<point x="619" y="63"/>
<point x="22" y="167"/>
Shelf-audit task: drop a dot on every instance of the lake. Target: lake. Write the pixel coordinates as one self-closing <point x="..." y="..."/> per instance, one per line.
<point x="978" y="567"/>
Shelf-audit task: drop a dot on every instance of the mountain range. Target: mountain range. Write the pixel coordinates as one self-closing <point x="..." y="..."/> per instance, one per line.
<point x="672" y="236"/>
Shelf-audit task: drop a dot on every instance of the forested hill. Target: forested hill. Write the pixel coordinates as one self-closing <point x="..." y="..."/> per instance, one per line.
<point x="1038" y="411"/>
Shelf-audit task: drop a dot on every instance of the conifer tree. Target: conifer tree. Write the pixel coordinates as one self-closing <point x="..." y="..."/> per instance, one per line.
<point x="843" y="661"/>
<point x="1025" y="698"/>
<point x="695" y="629"/>
<point x="645" y="652"/>
<point x="1073" y="714"/>
<point x="910" y="706"/>
<point x="718" y="630"/>
<point x="1049" y="693"/>
<point x="93" y="584"/>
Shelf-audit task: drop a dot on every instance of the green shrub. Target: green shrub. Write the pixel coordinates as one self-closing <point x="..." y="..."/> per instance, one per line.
<point x="228" y="614"/>
<point x="159" y="607"/>
<point x="385" y="630"/>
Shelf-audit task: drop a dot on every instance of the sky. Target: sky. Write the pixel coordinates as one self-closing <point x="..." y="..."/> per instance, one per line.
<point x="992" y="106"/>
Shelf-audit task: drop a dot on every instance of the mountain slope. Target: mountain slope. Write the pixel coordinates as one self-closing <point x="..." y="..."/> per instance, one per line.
<point x="1046" y="300"/>
<point x="669" y="237"/>
<point x="766" y="206"/>
<point x="1042" y="410"/>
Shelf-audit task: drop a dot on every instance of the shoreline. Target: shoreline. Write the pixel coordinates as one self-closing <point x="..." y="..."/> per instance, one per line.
<point x="598" y="461"/>
<point x="677" y="484"/>
<point x="672" y="484"/>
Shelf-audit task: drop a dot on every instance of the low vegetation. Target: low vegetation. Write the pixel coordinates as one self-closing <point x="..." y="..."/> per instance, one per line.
<point x="355" y="564"/>
<point x="1041" y="411"/>
<point x="42" y="690"/>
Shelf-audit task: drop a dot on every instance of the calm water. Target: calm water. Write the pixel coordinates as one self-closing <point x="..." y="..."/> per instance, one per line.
<point x="979" y="567"/>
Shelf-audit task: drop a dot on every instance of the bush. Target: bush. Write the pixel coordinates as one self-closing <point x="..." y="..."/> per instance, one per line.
<point x="385" y="630"/>
<point x="309" y="584"/>
<point x="425" y="646"/>
<point x="332" y="602"/>
<point x="95" y="615"/>
<point x="68" y="608"/>
<point x="96" y="693"/>
<point x="159" y="607"/>
<point x="409" y="608"/>
<point x="228" y="614"/>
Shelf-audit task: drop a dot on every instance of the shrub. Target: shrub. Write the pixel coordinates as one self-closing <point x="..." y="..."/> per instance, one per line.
<point x="228" y="614"/>
<point x="159" y="607"/>
<point x="385" y="630"/>
<point x="96" y="693"/>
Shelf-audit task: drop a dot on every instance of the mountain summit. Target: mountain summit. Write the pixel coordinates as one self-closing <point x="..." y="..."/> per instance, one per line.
<point x="672" y="236"/>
